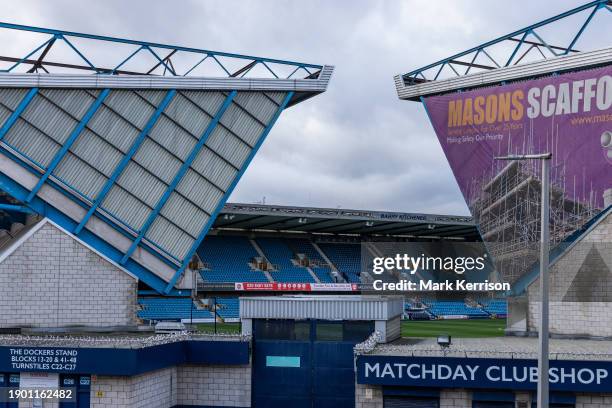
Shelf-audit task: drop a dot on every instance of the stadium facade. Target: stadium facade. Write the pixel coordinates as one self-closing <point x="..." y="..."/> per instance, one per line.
<point x="116" y="236"/>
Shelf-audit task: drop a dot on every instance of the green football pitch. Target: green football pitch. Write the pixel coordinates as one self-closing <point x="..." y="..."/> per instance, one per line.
<point x="410" y="328"/>
<point x="455" y="328"/>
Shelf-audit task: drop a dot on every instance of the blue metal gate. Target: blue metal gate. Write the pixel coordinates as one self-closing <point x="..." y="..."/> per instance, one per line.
<point x="305" y="364"/>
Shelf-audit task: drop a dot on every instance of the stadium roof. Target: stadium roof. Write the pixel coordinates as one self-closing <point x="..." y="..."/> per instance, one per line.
<point x="344" y="221"/>
<point x="138" y="159"/>
<point x="525" y="53"/>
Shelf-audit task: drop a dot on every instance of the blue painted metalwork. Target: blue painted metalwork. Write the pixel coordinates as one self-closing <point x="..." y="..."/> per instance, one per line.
<point x="16" y="208"/>
<point x="68" y="143"/>
<point x="126" y="159"/>
<point x="227" y="194"/>
<point x="61" y="35"/>
<point x="179" y="175"/>
<point x="10" y="121"/>
<point x="44" y="209"/>
<point x="422" y="74"/>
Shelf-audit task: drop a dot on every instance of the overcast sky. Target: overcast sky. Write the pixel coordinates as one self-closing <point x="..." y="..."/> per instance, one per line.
<point x="355" y="146"/>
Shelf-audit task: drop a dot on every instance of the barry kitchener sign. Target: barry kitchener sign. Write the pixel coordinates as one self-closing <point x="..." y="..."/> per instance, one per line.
<point x="566" y="375"/>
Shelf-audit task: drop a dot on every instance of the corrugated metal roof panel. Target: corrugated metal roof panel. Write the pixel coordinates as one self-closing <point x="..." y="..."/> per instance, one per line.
<point x="129" y="105"/>
<point x="188" y="114"/>
<point x="4" y="113"/>
<point x="32" y="142"/>
<point x="199" y="191"/>
<point x="216" y="170"/>
<point x="258" y="105"/>
<point x="169" y="237"/>
<point x="142" y="184"/>
<point x="11" y="97"/>
<point x="73" y="101"/>
<point x="209" y="102"/>
<point x="80" y="175"/>
<point x="184" y="214"/>
<point x="97" y="152"/>
<point x="228" y="146"/>
<point x="276" y="96"/>
<point x="126" y="207"/>
<point x="172" y="138"/>
<point x="157" y="160"/>
<point x="242" y="124"/>
<point x="49" y="119"/>
<point x="153" y="97"/>
<point x="113" y="128"/>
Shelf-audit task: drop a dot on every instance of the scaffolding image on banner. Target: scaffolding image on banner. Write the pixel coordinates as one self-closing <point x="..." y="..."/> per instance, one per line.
<point x="568" y="115"/>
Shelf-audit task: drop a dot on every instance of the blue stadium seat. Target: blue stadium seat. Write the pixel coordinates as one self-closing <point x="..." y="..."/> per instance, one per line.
<point x="168" y="308"/>
<point x="228" y="307"/>
<point x="496" y="306"/>
<point x="279" y="254"/>
<point x="304" y="246"/>
<point x="454" y="308"/>
<point x="228" y="258"/>
<point x="346" y="258"/>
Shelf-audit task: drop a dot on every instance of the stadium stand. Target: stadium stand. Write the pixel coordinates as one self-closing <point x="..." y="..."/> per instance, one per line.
<point x="498" y="307"/>
<point x="318" y="264"/>
<point x="346" y="258"/>
<point x="280" y="255"/>
<point x="228" y="258"/>
<point x="168" y="308"/>
<point x="454" y="308"/>
<point x="228" y="307"/>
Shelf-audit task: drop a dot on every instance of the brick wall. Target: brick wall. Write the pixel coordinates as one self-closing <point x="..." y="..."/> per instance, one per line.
<point x="371" y="396"/>
<point x="594" y="401"/>
<point x="579" y="305"/>
<point x="218" y="386"/>
<point x="455" y="399"/>
<point x="53" y="280"/>
<point x="368" y="396"/>
<point x="156" y="389"/>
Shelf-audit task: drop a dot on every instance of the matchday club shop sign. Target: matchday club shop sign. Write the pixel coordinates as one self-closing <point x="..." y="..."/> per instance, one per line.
<point x="576" y="376"/>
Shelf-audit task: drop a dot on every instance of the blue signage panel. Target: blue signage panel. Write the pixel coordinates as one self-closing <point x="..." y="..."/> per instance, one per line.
<point x="564" y="375"/>
<point x="110" y="361"/>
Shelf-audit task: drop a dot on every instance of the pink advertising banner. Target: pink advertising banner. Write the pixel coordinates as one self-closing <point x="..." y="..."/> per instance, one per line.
<point x="568" y="115"/>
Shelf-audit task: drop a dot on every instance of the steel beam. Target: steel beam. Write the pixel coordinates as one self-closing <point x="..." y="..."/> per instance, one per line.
<point x="125" y="160"/>
<point x="179" y="175"/>
<point x="229" y="191"/>
<point x="68" y="143"/>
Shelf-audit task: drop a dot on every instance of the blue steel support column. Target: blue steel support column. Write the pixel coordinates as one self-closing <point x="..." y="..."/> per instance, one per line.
<point x="68" y="143"/>
<point x="229" y="191"/>
<point x="126" y="159"/>
<point x="179" y="175"/>
<point x="10" y="121"/>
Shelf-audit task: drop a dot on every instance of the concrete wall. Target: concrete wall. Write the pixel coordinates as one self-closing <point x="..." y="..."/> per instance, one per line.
<point x="580" y="287"/>
<point x="52" y="280"/>
<point x="218" y="386"/>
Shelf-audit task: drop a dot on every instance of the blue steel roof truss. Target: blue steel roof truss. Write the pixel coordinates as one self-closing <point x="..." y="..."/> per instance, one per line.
<point x="520" y="37"/>
<point x="223" y="60"/>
